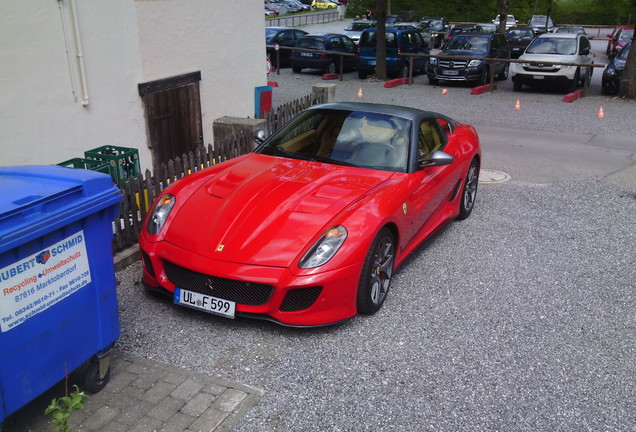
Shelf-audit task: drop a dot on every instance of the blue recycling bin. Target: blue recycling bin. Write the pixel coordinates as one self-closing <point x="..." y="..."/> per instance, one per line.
<point x="58" y="302"/>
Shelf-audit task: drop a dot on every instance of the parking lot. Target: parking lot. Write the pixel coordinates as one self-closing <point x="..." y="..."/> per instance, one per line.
<point x="519" y="318"/>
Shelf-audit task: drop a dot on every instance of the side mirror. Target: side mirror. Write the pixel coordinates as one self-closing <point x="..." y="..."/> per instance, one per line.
<point x="437" y="158"/>
<point x="259" y="136"/>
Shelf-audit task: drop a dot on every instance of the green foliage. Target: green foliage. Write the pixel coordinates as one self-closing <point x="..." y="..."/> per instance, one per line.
<point x="608" y="12"/>
<point x="62" y="408"/>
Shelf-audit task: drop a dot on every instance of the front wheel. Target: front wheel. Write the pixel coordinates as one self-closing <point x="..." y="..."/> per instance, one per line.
<point x="504" y="74"/>
<point x="404" y="71"/>
<point x="469" y="191"/>
<point x="377" y="273"/>
<point x="516" y="85"/>
<point x="362" y="75"/>
<point x="296" y="69"/>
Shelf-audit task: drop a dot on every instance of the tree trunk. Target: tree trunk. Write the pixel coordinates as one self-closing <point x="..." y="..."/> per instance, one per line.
<point x="503" y="15"/>
<point x="380" y="56"/>
<point x="627" y="88"/>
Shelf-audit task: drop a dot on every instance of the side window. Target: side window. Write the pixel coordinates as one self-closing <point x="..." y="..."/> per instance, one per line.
<point x="297" y="34"/>
<point x="285" y="36"/>
<point x="349" y="45"/>
<point x="336" y="44"/>
<point x="419" y="41"/>
<point x="429" y="138"/>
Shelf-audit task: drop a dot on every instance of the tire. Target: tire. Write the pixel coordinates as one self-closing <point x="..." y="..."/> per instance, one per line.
<point x="92" y="382"/>
<point x="296" y="69"/>
<point x="433" y="81"/>
<point x="404" y="71"/>
<point x="504" y="75"/>
<point x="469" y="191"/>
<point x="330" y="68"/>
<point x="573" y="83"/>
<point x="362" y="75"/>
<point x="483" y="80"/>
<point x="516" y="85"/>
<point x="377" y="273"/>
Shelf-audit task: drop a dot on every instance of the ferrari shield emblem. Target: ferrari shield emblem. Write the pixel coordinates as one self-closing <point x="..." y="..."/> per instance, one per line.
<point x="220" y="248"/>
<point x="404" y="208"/>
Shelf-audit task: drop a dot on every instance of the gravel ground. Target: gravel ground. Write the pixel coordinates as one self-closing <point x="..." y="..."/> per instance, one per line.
<point x="520" y="318"/>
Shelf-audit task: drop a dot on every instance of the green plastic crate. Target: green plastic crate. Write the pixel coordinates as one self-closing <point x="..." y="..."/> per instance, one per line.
<point x="123" y="161"/>
<point x="92" y="165"/>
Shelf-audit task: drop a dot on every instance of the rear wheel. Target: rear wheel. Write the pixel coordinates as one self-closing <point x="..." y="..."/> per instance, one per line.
<point x="377" y="273"/>
<point x="469" y="191"/>
<point x="331" y="68"/>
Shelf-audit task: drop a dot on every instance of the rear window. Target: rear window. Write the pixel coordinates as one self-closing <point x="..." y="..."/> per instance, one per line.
<point x="311" y="43"/>
<point x="369" y="39"/>
<point x="519" y="34"/>
<point x="473" y="43"/>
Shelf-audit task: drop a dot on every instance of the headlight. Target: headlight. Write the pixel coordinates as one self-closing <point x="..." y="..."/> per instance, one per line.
<point x="474" y="63"/>
<point x="159" y="214"/>
<point x="610" y="71"/>
<point x="433" y="61"/>
<point x="325" y="248"/>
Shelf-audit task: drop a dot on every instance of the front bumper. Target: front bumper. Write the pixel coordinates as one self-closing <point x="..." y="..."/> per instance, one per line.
<point x="530" y="75"/>
<point x="336" y="290"/>
<point x="463" y="75"/>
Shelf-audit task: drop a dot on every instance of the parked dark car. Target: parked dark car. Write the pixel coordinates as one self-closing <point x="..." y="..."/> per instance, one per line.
<point x="398" y="43"/>
<point x="613" y="72"/>
<point x="620" y="37"/>
<point x="484" y="45"/>
<point x="283" y="37"/>
<point x="327" y="63"/>
<point x="518" y="39"/>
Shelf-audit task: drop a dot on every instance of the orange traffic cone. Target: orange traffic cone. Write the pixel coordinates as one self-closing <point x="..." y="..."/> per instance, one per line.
<point x="601" y="114"/>
<point x="518" y="104"/>
<point x="360" y="92"/>
<point x="444" y="91"/>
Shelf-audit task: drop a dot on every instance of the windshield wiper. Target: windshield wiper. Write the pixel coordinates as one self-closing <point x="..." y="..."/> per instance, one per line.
<point x="276" y="151"/>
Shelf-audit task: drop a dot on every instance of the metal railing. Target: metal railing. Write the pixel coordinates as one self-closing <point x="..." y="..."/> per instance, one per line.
<point x="303" y="19"/>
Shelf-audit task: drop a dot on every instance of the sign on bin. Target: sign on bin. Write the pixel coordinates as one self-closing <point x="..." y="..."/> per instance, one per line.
<point x="35" y="283"/>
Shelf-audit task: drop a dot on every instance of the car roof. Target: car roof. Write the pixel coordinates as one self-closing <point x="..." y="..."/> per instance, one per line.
<point x="394" y="110"/>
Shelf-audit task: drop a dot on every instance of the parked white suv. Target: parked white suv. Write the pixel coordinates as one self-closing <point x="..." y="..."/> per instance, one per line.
<point x="559" y="48"/>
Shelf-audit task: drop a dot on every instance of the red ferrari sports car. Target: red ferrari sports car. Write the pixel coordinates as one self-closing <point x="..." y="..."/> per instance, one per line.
<point x="309" y="228"/>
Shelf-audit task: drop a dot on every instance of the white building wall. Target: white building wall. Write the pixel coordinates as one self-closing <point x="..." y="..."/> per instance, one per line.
<point x="225" y="40"/>
<point x="40" y="122"/>
<point x="124" y="42"/>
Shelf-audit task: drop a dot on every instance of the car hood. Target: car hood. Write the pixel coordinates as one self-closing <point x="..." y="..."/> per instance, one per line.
<point x="460" y="53"/>
<point x="264" y="210"/>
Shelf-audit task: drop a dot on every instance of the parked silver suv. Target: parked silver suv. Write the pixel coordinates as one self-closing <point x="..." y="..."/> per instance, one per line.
<point x="554" y="48"/>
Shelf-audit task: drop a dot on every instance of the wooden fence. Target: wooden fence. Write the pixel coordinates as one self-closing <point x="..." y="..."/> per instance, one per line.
<point x="140" y="191"/>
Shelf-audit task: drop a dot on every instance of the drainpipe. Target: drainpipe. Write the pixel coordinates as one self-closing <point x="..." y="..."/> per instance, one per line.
<point x="68" y="51"/>
<point x="80" y="54"/>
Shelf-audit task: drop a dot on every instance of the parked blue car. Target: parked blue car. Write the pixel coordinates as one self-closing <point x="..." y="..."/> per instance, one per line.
<point x="399" y="43"/>
<point x="326" y="62"/>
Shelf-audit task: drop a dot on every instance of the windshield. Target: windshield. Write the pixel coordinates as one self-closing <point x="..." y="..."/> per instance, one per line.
<point x="270" y="33"/>
<point x="552" y="46"/>
<point x="358" y="26"/>
<point x="516" y="33"/>
<point x="436" y="25"/>
<point x="351" y="138"/>
<point x="624" y="52"/>
<point x="626" y="35"/>
<point x="476" y="44"/>
<point x="540" y="21"/>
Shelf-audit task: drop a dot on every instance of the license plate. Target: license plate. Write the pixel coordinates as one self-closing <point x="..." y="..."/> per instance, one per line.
<point x="538" y="76"/>
<point x="306" y="54"/>
<point x="205" y="303"/>
<point x="450" y="72"/>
